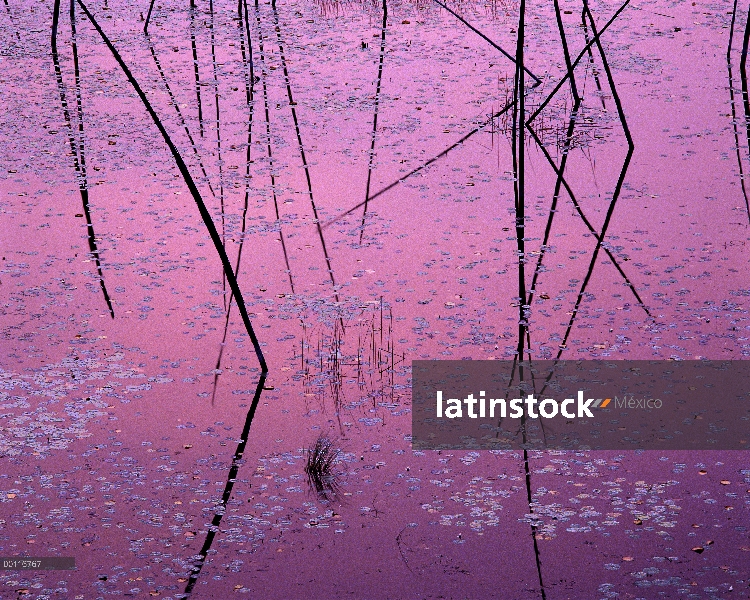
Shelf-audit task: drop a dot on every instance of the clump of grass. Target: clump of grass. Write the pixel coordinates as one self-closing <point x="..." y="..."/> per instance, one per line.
<point x="319" y="467"/>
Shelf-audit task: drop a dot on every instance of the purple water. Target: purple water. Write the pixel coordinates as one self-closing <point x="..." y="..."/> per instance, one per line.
<point x="118" y="434"/>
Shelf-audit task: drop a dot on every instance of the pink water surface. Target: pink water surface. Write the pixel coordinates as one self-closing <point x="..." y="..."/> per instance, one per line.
<point x="117" y="434"/>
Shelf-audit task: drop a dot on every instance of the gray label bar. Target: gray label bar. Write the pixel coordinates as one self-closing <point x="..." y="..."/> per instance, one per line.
<point x="37" y="563"/>
<point x="580" y="405"/>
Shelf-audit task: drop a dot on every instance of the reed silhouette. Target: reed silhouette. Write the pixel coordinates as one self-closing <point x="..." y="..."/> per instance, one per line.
<point x="320" y="467"/>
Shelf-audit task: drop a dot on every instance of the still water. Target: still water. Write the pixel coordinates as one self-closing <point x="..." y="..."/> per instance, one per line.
<point x="359" y="172"/>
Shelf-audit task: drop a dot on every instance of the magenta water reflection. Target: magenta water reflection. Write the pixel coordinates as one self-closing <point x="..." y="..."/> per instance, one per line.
<point x="381" y="182"/>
